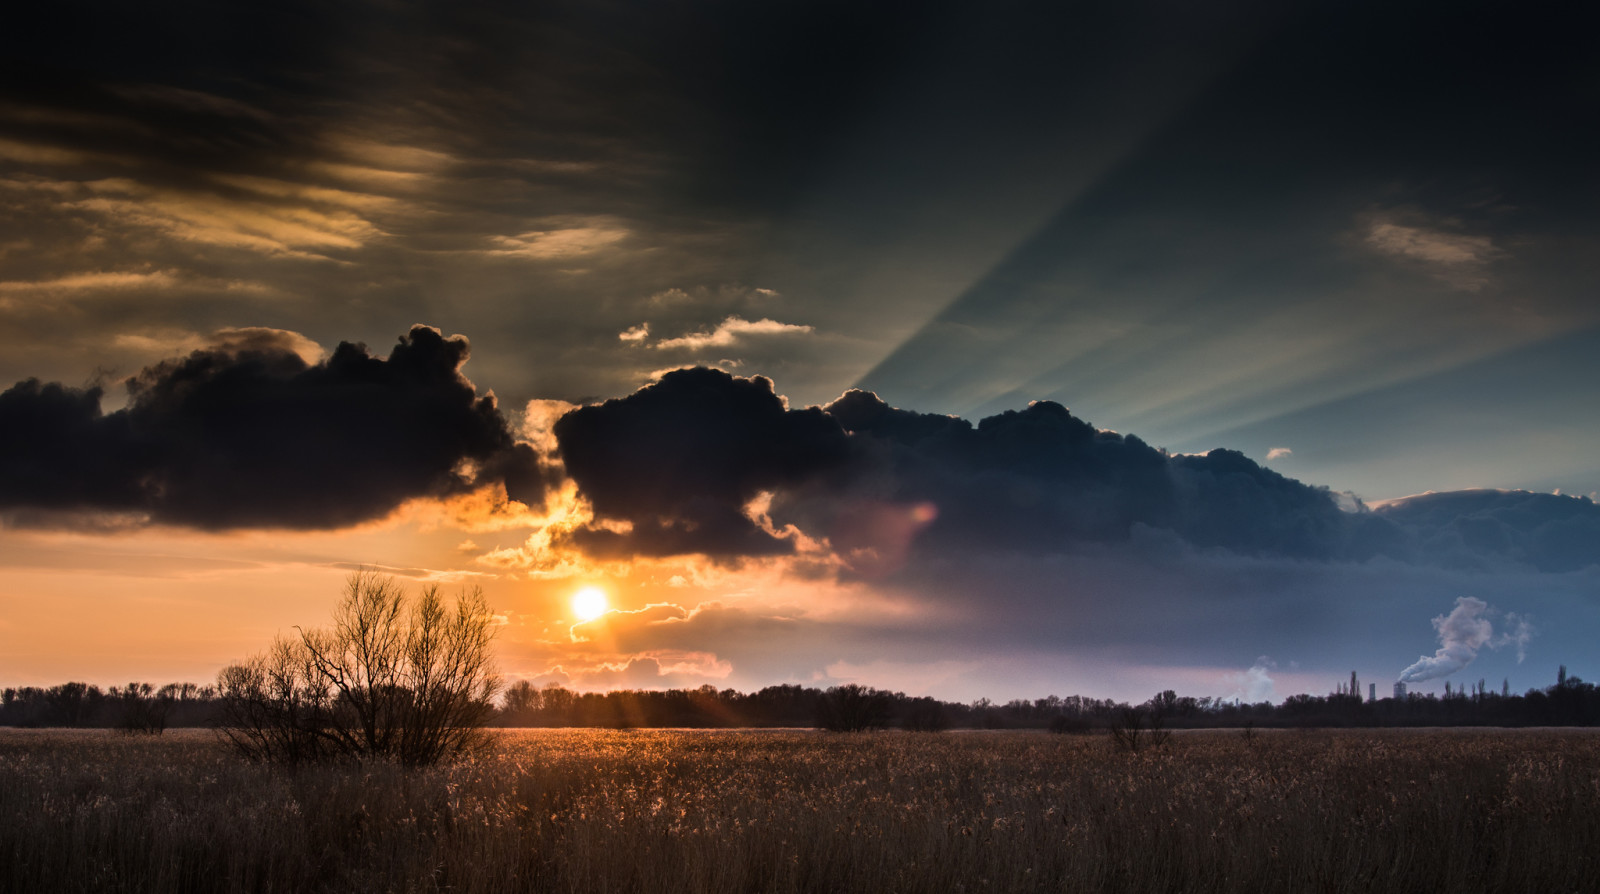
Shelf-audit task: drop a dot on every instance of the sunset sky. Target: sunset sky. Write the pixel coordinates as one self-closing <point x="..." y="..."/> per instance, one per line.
<point x="1092" y="348"/>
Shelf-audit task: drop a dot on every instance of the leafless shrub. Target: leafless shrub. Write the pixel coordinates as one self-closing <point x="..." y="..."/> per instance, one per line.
<point x="394" y="677"/>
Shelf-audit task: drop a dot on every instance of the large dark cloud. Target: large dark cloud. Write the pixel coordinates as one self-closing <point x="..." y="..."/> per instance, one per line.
<point x="680" y="459"/>
<point x="1042" y="480"/>
<point x="248" y="434"/>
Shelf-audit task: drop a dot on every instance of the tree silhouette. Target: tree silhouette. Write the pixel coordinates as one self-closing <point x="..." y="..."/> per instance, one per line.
<point x="394" y="677"/>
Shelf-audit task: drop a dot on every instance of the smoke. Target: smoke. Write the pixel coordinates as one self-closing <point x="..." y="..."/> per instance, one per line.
<point x="1461" y="634"/>
<point x="1255" y="685"/>
<point x="1521" y="631"/>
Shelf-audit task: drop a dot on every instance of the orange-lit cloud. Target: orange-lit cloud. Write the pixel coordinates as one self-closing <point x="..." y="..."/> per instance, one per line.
<point x="303" y="231"/>
<point x="564" y="239"/>
<point x="729" y="332"/>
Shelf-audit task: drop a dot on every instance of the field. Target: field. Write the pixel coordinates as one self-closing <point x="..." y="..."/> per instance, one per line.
<point x="753" y="811"/>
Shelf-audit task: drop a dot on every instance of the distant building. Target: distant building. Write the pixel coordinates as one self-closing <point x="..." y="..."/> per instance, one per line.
<point x="1372" y="692"/>
<point x="1400" y="690"/>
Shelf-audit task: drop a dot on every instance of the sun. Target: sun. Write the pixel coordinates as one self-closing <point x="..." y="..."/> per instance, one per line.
<point x="589" y="603"/>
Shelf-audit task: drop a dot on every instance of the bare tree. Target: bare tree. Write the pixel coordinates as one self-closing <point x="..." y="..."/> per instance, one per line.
<point x="394" y="677"/>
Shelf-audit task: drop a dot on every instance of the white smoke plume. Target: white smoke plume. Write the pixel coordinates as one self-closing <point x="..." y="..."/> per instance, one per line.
<point x="1255" y="685"/>
<point x="1518" y="633"/>
<point x="1461" y="634"/>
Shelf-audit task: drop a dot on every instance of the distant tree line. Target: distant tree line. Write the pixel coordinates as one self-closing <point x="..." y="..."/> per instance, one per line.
<point x="134" y="708"/>
<point x="141" y="707"/>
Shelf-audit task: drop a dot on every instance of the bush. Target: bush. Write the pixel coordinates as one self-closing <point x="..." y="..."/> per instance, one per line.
<point x="396" y="678"/>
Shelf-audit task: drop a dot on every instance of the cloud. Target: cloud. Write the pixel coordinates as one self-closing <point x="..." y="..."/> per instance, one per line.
<point x="679" y="460"/>
<point x="263" y="224"/>
<point x="561" y="241"/>
<point x="1462" y="633"/>
<point x="81" y="282"/>
<point x="729" y="332"/>
<point x="675" y="467"/>
<point x="636" y="333"/>
<point x="652" y="670"/>
<point x="1277" y="453"/>
<point x="248" y="433"/>
<point x="1479" y="529"/>
<point x="1041" y="480"/>
<point x="1458" y="258"/>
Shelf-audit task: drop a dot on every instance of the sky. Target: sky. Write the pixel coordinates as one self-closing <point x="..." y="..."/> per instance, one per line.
<point x="971" y="350"/>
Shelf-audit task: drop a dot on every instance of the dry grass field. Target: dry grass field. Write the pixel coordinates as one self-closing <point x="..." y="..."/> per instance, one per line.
<point x="721" y="811"/>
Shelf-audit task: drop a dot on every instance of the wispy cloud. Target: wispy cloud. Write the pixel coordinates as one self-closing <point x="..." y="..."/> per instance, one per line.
<point x="81" y="282"/>
<point x="1459" y="258"/>
<point x="730" y="331"/>
<point x="261" y="225"/>
<point x="1278" y="453"/>
<point x="560" y="242"/>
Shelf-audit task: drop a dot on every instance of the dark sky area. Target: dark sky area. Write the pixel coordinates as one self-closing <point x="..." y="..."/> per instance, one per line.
<point x="1072" y="344"/>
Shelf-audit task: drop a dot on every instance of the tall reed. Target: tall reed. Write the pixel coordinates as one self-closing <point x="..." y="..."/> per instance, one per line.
<point x="752" y="811"/>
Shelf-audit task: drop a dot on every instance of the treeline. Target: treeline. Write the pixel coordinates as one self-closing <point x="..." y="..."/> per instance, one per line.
<point x="141" y="707"/>
<point x="134" y="708"/>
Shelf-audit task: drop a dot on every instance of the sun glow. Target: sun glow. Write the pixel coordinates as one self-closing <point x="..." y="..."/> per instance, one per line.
<point x="589" y="603"/>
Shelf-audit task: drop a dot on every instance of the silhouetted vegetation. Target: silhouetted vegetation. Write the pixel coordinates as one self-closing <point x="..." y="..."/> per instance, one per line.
<point x="1570" y="702"/>
<point x="394" y="677"/>
<point x="854" y="709"/>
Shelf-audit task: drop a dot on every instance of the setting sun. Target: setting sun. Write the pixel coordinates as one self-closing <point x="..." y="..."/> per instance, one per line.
<point x="589" y="603"/>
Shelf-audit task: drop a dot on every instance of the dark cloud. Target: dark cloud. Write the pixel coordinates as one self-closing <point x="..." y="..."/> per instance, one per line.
<point x="247" y="433"/>
<point x="1478" y="528"/>
<point x="1042" y="480"/>
<point x="680" y="459"/>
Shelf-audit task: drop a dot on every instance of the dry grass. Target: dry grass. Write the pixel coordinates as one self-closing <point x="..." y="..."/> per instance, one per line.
<point x="716" y="811"/>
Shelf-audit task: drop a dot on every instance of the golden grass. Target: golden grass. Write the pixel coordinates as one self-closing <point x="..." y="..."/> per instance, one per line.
<point x="750" y="811"/>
